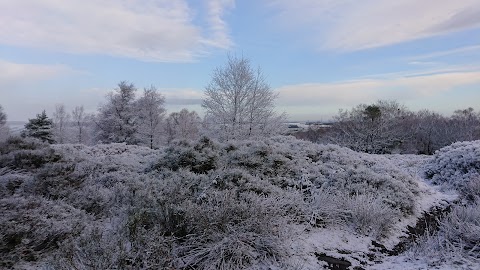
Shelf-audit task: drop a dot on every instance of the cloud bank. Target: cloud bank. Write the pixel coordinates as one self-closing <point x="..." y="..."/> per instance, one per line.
<point x="14" y="73"/>
<point x="368" y="90"/>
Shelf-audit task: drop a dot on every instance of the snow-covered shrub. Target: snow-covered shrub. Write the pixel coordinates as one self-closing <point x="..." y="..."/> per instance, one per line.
<point x="337" y="168"/>
<point x="456" y="242"/>
<point x="199" y="158"/>
<point x="370" y="215"/>
<point x="13" y="181"/>
<point x="111" y="247"/>
<point x="230" y="230"/>
<point x="26" y="153"/>
<point x="204" y="204"/>
<point x="455" y="164"/>
<point x="471" y="190"/>
<point x="362" y="213"/>
<point x="32" y="226"/>
<point x="289" y="163"/>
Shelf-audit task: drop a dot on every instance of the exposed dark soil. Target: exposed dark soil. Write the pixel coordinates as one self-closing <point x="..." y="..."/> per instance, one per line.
<point x="333" y="263"/>
<point x="429" y="222"/>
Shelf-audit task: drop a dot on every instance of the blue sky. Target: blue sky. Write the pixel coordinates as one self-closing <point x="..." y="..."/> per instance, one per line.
<point x="319" y="55"/>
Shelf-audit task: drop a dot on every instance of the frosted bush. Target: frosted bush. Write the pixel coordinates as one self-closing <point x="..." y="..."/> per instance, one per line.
<point x="455" y="165"/>
<point x="199" y="158"/>
<point x="364" y="214"/>
<point x="33" y="226"/>
<point x="26" y="153"/>
<point x="228" y="230"/>
<point x="457" y="240"/>
<point x="13" y="181"/>
<point x="293" y="164"/>
<point x="203" y="204"/>
<point x="471" y="190"/>
<point x="370" y="215"/>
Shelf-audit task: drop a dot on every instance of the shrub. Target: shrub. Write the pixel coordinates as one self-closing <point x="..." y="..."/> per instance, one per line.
<point x="455" y="165"/>
<point x="32" y="226"/>
<point x="199" y="158"/>
<point x="457" y="240"/>
<point x="26" y="153"/>
<point x="364" y="214"/>
<point x="233" y="231"/>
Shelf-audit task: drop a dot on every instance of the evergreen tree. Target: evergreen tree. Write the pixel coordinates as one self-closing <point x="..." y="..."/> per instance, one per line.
<point x="40" y="127"/>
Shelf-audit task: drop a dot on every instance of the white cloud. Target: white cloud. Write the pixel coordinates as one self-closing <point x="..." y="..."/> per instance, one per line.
<point x="350" y="93"/>
<point x="354" y="25"/>
<point x="150" y="30"/>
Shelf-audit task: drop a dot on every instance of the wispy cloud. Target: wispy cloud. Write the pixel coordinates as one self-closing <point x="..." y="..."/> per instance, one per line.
<point x="150" y="30"/>
<point x="354" y="25"/>
<point x="456" y="51"/>
<point x="218" y="28"/>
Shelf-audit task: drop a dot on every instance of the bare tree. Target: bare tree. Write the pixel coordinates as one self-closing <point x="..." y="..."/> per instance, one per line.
<point x="82" y="125"/>
<point x="377" y="128"/>
<point x="431" y="131"/>
<point x="467" y="124"/>
<point x="151" y="113"/>
<point x="61" y="118"/>
<point x="239" y="103"/>
<point x="183" y="125"/>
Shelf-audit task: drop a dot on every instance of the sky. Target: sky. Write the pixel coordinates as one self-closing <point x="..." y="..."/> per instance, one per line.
<point x="318" y="55"/>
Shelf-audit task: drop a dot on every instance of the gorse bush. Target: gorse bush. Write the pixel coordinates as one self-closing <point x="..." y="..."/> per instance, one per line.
<point x="457" y="240"/>
<point x="33" y="226"/>
<point x="455" y="165"/>
<point x="364" y="214"/>
<point x="199" y="158"/>
<point x="28" y="153"/>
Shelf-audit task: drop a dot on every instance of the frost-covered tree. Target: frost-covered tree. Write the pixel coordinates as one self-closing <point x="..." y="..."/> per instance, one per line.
<point x="4" y="130"/>
<point x="431" y="131"/>
<point x="3" y="117"/>
<point x="239" y="103"/>
<point x="151" y="112"/>
<point x="61" y="119"/>
<point x="81" y="125"/>
<point x="117" y="118"/>
<point x="466" y="124"/>
<point x="376" y="128"/>
<point x="183" y="125"/>
<point x="40" y="127"/>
